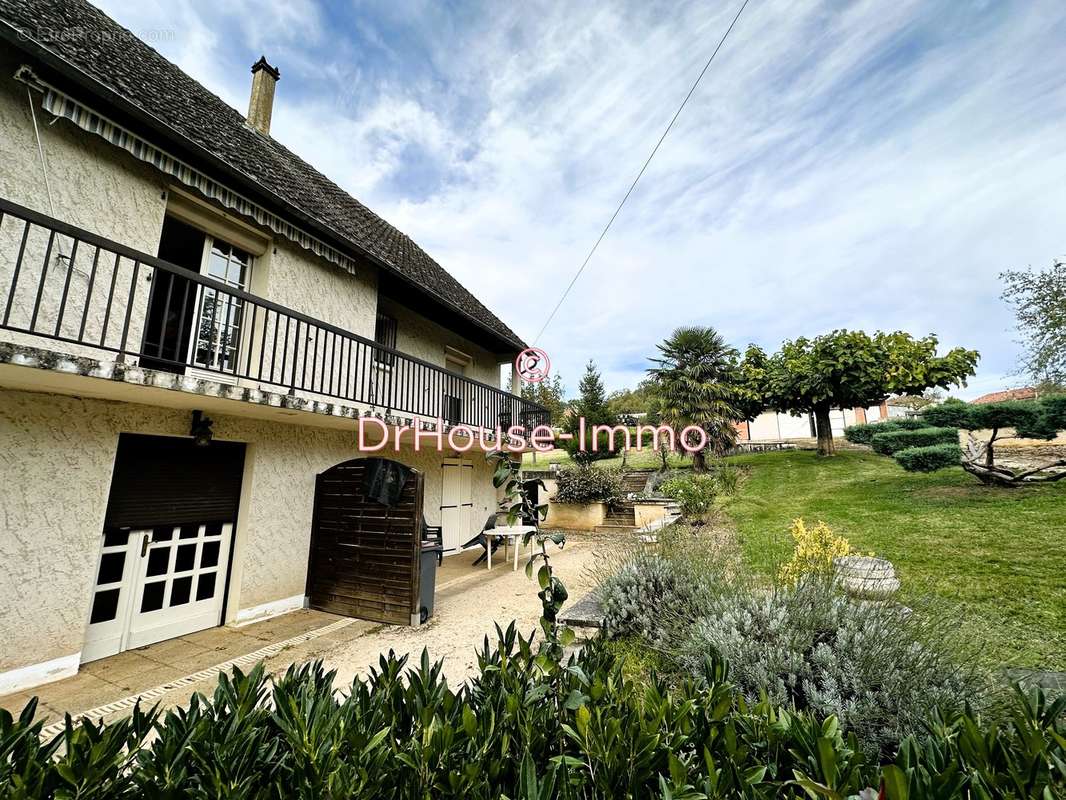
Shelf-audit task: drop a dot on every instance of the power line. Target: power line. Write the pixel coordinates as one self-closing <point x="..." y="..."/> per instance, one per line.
<point x="633" y="185"/>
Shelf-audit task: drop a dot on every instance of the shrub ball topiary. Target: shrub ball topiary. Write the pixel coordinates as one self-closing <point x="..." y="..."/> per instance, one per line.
<point x="864" y="432"/>
<point x="889" y="443"/>
<point x="929" y="459"/>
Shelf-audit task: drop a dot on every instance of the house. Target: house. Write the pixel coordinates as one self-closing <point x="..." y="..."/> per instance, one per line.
<point x="194" y="325"/>
<point x="1025" y="393"/>
<point x="772" y="426"/>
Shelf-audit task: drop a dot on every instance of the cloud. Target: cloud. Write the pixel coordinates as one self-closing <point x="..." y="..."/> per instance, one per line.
<point x="870" y="165"/>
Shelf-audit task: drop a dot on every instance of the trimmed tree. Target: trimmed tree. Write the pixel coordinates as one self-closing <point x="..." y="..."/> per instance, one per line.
<point x="1012" y="419"/>
<point x="932" y="442"/>
<point x="696" y="382"/>
<point x="848" y="369"/>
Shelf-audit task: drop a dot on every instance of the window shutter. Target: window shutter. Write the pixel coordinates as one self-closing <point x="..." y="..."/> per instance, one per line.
<point x="385" y="334"/>
<point x="165" y="480"/>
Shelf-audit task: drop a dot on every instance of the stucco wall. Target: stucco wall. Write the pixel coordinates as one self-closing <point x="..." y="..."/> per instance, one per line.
<point x="56" y="458"/>
<point x="94" y="186"/>
<point x="427" y="340"/>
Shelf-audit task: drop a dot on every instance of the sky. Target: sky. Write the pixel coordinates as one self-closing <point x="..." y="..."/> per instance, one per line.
<point x="865" y="165"/>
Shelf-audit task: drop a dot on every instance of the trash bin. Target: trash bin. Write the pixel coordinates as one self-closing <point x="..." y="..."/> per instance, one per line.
<point x="432" y="556"/>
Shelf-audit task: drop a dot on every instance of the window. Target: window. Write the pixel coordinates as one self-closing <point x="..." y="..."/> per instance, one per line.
<point x="220" y="313"/>
<point x="385" y="335"/>
<point x="455" y="362"/>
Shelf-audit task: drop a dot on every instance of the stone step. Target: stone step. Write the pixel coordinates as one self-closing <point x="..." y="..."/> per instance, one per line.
<point x="615" y="528"/>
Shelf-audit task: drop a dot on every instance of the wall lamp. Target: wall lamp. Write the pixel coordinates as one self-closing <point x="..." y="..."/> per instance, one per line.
<point x="200" y="430"/>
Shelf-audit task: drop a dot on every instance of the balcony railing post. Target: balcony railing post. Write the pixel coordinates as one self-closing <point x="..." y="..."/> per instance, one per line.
<point x="357" y="366"/>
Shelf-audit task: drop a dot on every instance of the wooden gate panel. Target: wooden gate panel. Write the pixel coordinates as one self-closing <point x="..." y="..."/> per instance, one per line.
<point x="365" y="557"/>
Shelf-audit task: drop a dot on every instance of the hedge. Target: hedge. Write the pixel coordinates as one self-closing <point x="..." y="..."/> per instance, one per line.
<point x="1038" y="419"/>
<point x="893" y="441"/>
<point x="929" y="459"/>
<point x="588" y="484"/>
<point x="864" y="432"/>
<point x="579" y="730"/>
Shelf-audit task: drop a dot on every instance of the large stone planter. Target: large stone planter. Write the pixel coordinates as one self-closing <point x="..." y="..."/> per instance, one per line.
<point x="575" y="516"/>
<point x="646" y="513"/>
<point x="866" y="577"/>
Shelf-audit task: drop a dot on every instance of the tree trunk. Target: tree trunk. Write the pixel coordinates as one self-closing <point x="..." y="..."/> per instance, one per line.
<point x="990" y="456"/>
<point x="825" y="431"/>
<point x="699" y="461"/>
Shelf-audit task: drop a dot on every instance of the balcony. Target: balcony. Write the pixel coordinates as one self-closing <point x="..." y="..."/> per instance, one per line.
<point x="100" y="299"/>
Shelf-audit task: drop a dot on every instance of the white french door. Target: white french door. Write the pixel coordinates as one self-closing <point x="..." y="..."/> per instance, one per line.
<point x="216" y="340"/>
<point x="457" y="503"/>
<point x="157" y="583"/>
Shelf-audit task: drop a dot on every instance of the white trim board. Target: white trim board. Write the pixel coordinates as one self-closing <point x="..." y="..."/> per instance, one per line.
<point x="36" y="674"/>
<point x="246" y="616"/>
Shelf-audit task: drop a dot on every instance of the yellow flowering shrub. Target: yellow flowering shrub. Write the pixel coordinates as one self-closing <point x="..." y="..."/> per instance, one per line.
<point x="814" y="551"/>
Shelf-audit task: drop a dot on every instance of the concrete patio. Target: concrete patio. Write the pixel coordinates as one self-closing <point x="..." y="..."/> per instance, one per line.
<point x="469" y="600"/>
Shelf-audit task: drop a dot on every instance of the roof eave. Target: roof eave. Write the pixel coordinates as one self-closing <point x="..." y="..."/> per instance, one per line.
<point x="25" y="43"/>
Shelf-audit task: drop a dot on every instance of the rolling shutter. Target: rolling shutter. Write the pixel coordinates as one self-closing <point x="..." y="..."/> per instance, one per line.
<point x="163" y="480"/>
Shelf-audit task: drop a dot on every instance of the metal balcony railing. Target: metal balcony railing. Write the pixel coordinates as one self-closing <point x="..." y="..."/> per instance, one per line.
<point x="62" y="283"/>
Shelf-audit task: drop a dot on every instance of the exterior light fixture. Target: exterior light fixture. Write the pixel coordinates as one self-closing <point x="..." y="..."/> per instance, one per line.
<point x="200" y="430"/>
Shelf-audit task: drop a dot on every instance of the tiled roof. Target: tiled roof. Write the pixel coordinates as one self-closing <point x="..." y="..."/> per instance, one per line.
<point x="89" y="41"/>
<point x="1028" y="393"/>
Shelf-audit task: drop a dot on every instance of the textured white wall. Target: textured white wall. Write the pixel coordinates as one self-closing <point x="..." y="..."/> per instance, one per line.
<point x="56" y="457"/>
<point x="94" y="186"/>
<point x="427" y="340"/>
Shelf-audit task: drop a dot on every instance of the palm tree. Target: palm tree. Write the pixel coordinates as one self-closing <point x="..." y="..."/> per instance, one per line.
<point x="694" y="379"/>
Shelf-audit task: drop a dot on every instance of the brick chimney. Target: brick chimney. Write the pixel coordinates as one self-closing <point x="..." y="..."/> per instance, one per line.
<point x="261" y="103"/>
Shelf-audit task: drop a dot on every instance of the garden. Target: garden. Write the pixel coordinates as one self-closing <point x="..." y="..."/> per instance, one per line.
<point x="715" y="676"/>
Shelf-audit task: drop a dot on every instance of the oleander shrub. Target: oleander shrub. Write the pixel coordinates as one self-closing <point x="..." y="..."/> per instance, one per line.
<point x="515" y="731"/>
<point x="876" y="668"/>
<point x="929" y="459"/>
<point x="588" y="484"/>
<point x="893" y="441"/>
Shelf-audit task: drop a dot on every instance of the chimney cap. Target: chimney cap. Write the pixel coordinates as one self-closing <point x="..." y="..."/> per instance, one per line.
<point x="262" y="63"/>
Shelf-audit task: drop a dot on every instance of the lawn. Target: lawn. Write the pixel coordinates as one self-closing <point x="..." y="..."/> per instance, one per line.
<point x="1001" y="553"/>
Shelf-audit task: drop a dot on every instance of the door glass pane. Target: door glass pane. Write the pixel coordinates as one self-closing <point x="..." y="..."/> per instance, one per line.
<point x="152" y="600"/>
<point x="180" y="591"/>
<point x="205" y="587"/>
<point x="162" y="534"/>
<point x="158" y="560"/>
<point x="115" y="538"/>
<point x="209" y="554"/>
<point x="105" y="606"/>
<point x="186" y="558"/>
<point x="111" y="565"/>
<point x="189" y="531"/>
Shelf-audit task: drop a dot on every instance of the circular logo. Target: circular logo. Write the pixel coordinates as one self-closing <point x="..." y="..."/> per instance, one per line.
<point x="533" y="364"/>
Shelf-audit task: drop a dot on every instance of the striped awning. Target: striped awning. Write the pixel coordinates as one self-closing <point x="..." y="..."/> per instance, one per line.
<point x="64" y="106"/>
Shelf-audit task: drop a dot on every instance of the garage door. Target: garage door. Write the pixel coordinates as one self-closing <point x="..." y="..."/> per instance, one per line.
<point x="164" y="554"/>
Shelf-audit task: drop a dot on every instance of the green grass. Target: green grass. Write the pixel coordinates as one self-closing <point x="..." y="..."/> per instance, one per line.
<point x="1001" y="553"/>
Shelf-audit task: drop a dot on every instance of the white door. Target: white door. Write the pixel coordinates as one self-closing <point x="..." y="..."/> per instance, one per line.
<point x="156" y="584"/>
<point x="217" y="325"/>
<point x="457" y="503"/>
